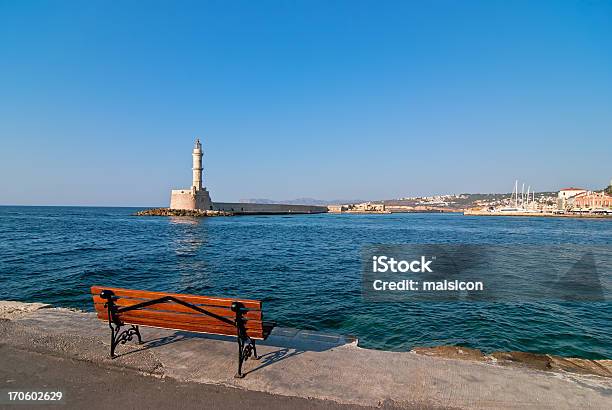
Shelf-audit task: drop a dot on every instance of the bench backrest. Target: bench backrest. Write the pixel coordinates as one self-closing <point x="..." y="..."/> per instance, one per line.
<point x="171" y="315"/>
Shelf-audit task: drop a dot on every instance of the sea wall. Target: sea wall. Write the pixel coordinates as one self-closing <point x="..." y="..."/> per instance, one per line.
<point x="321" y="366"/>
<point x="248" y="208"/>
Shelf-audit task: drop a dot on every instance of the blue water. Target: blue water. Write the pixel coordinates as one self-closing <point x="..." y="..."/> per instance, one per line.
<point x="306" y="269"/>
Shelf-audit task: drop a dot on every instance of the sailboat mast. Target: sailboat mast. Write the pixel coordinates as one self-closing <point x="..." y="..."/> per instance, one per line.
<point x="515" y="194"/>
<point x="528" y="189"/>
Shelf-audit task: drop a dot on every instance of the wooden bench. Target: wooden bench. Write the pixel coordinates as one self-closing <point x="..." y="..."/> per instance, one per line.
<point x="200" y="314"/>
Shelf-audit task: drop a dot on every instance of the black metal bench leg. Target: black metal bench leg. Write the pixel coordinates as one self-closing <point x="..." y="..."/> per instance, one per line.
<point x="254" y="350"/>
<point x="246" y="345"/>
<point x="239" y="375"/>
<point x="114" y="339"/>
<point x="137" y="331"/>
<point x="122" y="336"/>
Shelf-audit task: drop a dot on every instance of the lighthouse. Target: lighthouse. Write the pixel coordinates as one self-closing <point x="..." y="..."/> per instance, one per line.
<point x="197" y="196"/>
<point x="197" y="165"/>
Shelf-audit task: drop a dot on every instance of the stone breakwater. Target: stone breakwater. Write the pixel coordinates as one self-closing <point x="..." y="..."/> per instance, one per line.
<point x="181" y="212"/>
<point x="238" y="208"/>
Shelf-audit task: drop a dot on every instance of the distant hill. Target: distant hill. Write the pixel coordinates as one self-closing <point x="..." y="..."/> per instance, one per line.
<point x="464" y="201"/>
<point x="302" y="201"/>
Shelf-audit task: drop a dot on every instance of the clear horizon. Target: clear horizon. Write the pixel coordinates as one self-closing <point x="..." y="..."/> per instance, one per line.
<point x="326" y="100"/>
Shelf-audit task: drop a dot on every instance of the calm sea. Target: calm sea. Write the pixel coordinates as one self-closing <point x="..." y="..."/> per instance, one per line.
<point x="305" y="268"/>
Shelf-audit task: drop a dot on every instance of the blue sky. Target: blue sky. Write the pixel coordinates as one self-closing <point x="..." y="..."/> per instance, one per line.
<point x="101" y="101"/>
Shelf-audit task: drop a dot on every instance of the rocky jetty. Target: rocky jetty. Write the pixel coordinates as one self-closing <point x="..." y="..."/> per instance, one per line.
<point x="181" y="212"/>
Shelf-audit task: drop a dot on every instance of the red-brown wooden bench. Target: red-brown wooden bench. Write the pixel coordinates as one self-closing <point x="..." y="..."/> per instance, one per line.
<point x="242" y="318"/>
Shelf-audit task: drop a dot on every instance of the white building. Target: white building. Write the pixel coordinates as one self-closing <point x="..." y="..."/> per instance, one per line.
<point x="567" y="193"/>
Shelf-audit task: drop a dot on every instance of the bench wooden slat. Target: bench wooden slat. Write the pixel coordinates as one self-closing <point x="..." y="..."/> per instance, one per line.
<point x="197" y="320"/>
<point x="217" y="330"/>
<point x="195" y="299"/>
<point x="175" y="307"/>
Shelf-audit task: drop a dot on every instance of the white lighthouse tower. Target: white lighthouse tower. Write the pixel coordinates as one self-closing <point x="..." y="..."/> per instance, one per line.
<point x="197" y="165"/>
<point x="196" y="197"/>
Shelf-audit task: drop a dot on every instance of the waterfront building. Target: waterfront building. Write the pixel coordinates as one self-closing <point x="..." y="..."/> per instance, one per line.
<point x="364" y="207"/>
<point x="567" y="193"/>
<point x="591" y="201"/>
<point x="337" y="208"/>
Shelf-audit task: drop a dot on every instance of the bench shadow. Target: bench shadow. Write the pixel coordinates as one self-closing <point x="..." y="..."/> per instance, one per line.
<point x="286" y="342"/>
<point x="294" y="342"/>
<point x="152" y="343"/>
<point x="271" y="358"/>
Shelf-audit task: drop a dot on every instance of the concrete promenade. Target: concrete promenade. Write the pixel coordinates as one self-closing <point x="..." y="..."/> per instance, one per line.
<point x="299" y="364"/>
<point x="91" y="386"/>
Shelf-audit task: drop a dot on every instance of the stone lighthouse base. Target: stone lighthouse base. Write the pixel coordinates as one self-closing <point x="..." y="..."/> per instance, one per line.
<point x="190" y="199"/>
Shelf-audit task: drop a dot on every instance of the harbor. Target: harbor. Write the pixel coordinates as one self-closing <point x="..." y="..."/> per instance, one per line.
<point x="570" y="203"/>
<point x="196" y="201"/>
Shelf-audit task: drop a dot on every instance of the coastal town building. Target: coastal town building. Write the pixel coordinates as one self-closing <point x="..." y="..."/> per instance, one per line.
<point x="337" y="208"/>
<point x="591" y="201"/>
<point x="364" y="207"/>
<point x="565" y="194"/>
<point x="369" y="207"/>
<point x="198" y="198"/>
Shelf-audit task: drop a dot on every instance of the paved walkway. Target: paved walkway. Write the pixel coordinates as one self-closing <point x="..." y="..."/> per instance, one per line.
<point x="86" y="385"/>
<point x="311" y="365"/>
